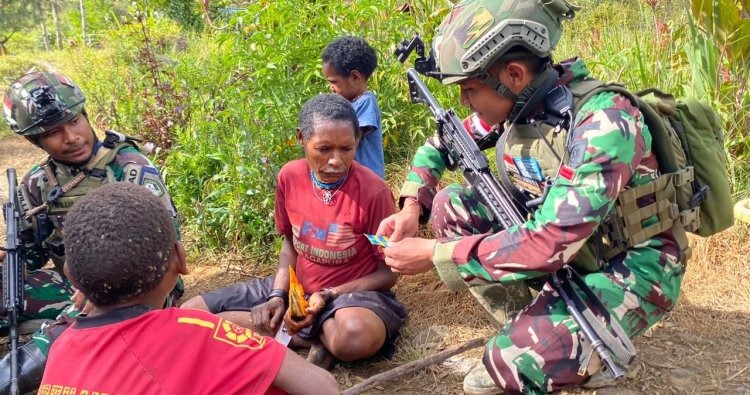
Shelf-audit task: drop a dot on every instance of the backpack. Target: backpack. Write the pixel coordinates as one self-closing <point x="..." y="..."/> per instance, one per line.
<point x="688" y="142"/>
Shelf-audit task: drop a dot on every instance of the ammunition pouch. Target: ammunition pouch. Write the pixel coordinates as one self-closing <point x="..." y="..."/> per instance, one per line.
<point x="628" y="224"/>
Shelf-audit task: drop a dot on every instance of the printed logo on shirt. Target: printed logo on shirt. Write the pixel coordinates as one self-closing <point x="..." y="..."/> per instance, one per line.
<point x="235" y="335"/>
<point x="54" y="389"/>
<point x="325" y="244"/>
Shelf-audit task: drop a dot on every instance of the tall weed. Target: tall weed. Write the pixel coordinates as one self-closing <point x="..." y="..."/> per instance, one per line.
<point x="228" y="99"/>
<point x="249" y="89"/>
<point x="700" y="48"/>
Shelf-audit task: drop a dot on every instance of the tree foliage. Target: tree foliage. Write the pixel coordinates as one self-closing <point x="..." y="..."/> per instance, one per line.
<point x="15" y="16"/>
<point x="222" y="81"/>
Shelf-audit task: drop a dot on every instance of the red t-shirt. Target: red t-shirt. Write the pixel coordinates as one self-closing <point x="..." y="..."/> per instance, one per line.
<point x="329" y="240"/>
<point x="137" y="350"/>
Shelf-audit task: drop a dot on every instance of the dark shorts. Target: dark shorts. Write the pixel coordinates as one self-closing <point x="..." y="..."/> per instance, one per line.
<point x="244" y="296"/>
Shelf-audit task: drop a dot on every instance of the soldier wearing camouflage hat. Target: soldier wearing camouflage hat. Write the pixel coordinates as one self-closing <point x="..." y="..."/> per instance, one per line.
<point x="572" y="164"/>
<point x="48" y="110"/>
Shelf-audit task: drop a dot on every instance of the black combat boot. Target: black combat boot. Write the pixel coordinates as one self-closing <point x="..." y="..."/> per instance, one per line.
<point x="31" y="363"/>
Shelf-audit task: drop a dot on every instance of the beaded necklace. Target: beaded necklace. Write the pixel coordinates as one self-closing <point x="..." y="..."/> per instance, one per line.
<point x="327" y="188"/>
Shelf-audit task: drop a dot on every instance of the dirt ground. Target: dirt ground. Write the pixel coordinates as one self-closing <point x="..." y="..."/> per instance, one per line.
<point x="702" y="347"/>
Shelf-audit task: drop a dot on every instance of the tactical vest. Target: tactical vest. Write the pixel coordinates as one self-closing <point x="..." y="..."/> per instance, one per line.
<point x="531" y="163"/>
<point x="57" y="199"/>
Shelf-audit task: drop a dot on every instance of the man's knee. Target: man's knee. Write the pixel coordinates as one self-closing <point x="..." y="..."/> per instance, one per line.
<point x="448" y="215"/>
<point x="196" y="302"/>
<point x="501" y="363"/>
<point x="354" y="339"/>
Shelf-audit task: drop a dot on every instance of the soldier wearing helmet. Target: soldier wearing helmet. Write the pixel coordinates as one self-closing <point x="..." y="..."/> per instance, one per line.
<point x="571" y="162"/>
<point x="48" y="110"/>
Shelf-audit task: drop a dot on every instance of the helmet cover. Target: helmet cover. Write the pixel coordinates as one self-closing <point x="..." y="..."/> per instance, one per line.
<point x="41" y="101"/>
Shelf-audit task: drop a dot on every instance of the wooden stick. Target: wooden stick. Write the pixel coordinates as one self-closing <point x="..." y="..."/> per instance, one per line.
<point x="738" y="373"/>
<point x="399" y="371"/>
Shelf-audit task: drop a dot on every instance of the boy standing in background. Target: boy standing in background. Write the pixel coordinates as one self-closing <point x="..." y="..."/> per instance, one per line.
<point x="348" y="63"/>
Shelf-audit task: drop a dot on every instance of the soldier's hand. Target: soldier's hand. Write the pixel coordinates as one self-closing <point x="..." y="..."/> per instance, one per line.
<point x="405" y="223"/>
<point x="410" y="256"/>
<point x="268" y="315"/>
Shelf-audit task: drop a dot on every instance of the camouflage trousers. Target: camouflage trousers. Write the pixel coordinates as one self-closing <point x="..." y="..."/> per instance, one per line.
<point x="541" y="349"/>
<point x="46" y="294"/>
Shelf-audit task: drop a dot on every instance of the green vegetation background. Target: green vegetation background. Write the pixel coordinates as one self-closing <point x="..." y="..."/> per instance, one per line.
<point x="218" y="85"/>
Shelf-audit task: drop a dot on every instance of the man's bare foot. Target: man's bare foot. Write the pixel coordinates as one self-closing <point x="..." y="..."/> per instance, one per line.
<point x="298" y="342"/>
<point x="319" y="356"/>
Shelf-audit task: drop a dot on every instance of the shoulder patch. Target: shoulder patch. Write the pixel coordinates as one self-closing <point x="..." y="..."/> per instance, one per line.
<point x="132" y="173"/>
<point x="577" y="151"/>
<point x="154" y="185"/>
<point x="146" y="176"/>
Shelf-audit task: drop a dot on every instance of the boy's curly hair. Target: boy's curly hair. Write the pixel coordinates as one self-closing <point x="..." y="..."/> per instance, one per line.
<point x="118" y="242"/>
<point x="346" y="54"/>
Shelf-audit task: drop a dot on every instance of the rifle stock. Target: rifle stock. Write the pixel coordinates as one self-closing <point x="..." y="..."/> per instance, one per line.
<point x="13" y="275"/>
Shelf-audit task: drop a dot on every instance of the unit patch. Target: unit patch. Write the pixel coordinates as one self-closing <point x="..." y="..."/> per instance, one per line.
<point x="522" y="182"/>
<point x="132" y="173"/>
<point x="577" y="151"/>
<point x="155" y="186"/>
<point x="529" y="168"/>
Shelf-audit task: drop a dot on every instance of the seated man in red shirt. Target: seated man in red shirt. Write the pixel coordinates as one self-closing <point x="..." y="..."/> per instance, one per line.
<point x="325" y="205"/>
<point x="127" y="344"/>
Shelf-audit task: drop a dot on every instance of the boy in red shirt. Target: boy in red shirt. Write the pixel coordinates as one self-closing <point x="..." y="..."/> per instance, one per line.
<point x="127" y="344"/>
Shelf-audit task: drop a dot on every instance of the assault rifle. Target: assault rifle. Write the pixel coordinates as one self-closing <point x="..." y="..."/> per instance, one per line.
<point x="464" y="153"/>
<point x="12" y="277"/>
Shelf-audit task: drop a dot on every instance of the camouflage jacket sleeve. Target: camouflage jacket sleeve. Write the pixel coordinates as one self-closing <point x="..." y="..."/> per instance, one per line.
<point x="607" y="147"/>
<point x="428" y="165"/>
<point x="131" y="166"/>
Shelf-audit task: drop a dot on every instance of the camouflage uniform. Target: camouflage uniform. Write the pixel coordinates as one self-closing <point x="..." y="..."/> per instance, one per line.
<point x="33" y="105"/>
<point x="605" y="151"/>
<point x="47" y="291"/>
<point x="541" y="349"/>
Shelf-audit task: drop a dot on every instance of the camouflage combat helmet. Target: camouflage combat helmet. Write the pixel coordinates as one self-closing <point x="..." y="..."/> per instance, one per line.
<point x="476" y="33"/>
<point x="40" y="101"/>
